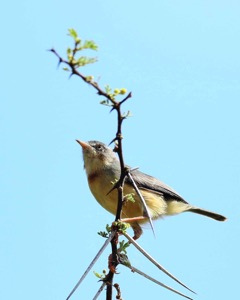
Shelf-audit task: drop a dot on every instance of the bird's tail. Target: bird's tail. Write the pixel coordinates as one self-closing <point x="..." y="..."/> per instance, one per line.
<point x="207" y="213"/>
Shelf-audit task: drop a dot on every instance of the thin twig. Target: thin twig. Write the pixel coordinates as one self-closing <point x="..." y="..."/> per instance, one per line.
<point x="115" y="106"/>
<point x="118" y="138"/>
<point x="92" y="263"/>
<point x="154" y="261"/>
<point x="84" y="78"/>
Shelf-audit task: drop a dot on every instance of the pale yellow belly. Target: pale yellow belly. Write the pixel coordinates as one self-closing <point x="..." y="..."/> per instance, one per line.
<point x="156" y="204"/>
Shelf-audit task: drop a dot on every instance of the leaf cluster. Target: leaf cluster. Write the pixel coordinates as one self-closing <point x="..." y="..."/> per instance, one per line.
<point x="112" y="95"/>
<point x="100" y="276"/>
<point x="79" y="46"/>
<point x="106" y="233"/>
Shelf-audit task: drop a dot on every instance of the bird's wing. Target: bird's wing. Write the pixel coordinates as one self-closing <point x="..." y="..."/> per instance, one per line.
<point x="152" y="184"/>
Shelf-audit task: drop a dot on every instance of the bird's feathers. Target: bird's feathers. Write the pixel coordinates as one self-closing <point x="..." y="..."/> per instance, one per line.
<point x="154" y="185"/>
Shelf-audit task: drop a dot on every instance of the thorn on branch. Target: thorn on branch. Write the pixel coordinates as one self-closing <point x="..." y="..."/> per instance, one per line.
<point x="126" y="98"/>
<point x="113" y="141"/>
<point x="52" y="50"/>
<point x="115" y="106"/>
<point x="71" y="75"/>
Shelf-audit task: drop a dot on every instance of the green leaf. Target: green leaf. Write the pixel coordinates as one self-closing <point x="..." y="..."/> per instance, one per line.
<point x="69" y="51"/>
<point x="100" y="276"/>
<point x="106" y="102"/>
<point x="121" y="226"/>
<point x="103" y="234"/>
<point x="83" y="60"/>
<point x="73" y="33"/>
<point x="90" y="45"/>
<point x="127" y="114"/>
<point x="108" y="228"/>
<point x="108" y="89"/>
<point x="114" y="181"/>
<point x="129" y="197"/>
<point x="123" y="246"/>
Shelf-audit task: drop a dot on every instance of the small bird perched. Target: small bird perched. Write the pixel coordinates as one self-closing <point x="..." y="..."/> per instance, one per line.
<point x="103" y="170"/>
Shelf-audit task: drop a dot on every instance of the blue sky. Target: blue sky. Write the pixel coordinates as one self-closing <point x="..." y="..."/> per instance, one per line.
<point x="181" y="61"/>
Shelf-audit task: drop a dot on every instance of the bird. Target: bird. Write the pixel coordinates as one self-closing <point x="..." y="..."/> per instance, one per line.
<point x="103" y="169"/>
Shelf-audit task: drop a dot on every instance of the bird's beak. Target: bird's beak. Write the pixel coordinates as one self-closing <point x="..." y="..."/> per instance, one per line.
<point x="83" y="144"/>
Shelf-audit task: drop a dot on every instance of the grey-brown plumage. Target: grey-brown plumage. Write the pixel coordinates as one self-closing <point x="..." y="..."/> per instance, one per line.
<point x="150" y="183"/>
<point x="103" y="168"/>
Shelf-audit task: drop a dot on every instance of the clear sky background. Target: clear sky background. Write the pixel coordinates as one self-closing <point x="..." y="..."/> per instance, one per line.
<point x="181" y="61"/>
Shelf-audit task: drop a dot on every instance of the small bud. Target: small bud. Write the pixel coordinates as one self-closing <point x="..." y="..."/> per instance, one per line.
<point x="89" y="78"/>
<point x="123" y="91"/>
<point x="77" y="40"/>
<point x="116" y="91"/>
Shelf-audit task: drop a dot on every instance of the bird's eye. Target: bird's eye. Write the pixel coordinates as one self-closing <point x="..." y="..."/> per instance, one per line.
<point x="99" y="147"/>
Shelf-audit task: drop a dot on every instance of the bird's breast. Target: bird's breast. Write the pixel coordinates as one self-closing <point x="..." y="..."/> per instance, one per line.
<point x="101" y="186"/>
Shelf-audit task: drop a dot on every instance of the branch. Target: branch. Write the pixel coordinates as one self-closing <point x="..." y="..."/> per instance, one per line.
<point x="118" y="138"/>
<point x="86" y="79"/>
<point x="73" y="63"/>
